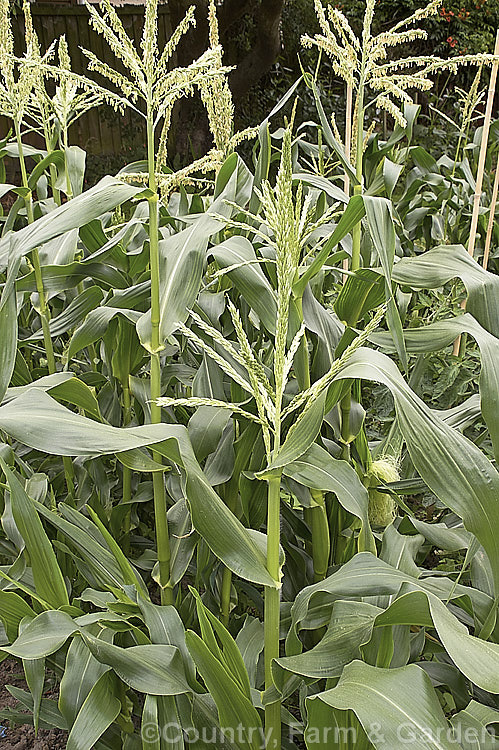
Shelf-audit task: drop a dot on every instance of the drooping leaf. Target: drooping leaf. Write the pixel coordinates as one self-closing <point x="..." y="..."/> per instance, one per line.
<point x="393" y="705"/>
<point x="440" y="334"/>
<point x="12" y="610"/>
<point x="156" y="669"/>
<point x="38" y="421"/>
<point x="182" y="259"/>
<point x="44" y="635"/>
<point x="450" y="464"/>
<point x="48" y="579"/>
<point x="237" y="253"/>
<point x="442" y="264"/>
<point x="318" y="470"/>
<point x="99" y="710"/>
<point x="105" y="196"/>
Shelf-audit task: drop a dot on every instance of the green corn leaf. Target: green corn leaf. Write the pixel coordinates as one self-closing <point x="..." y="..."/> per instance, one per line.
<point x="382" y="230"/>
<point x="12" y="610"/>
<point x="351" y="625"/>
<point x="165" y="626"/>
<point x="318" y="470"/>
<point x="75" y="159"/>
<point x="351" y="216"/>
<point x="250" y="640"/>
<point x="56" y="158"/>
<point x="43" y="636"/>
<point x="450" y="464"/>
<point x="321" y="183"/>
<point x="34" y="672"/>
<point x="63" y="386"/>
<point x="58" y="278"/>
<point x="237" y="253"/>
<point x="476" y="658"/>
<point x="205" y="429"/>
<point x="95" y="326"/>
<point x="442" y="264"/>
<point x="82" y="671"/>
<point x="50" y="716"/>
<point x="151" y="727"/>
<point x="235" y="710"/>
<point x="73" y="313"/>
<point x="156" y="669"/>
<point x="366" y="575"/>
<point x="38" y="421"/>
<point x="182" y="259"/>
<point x="440" y="334"/>
<point x="8" y="339"/>
<point x="300" y="437"/>
<point x="48" y="579"/>
<point x="328" y="134"/>
<point x="393" y="706"/>
<point x="105" y="196"/>
<point x="228" y="653"/>
<point x="130" y="576"/>
<point x="471" y="725"/>
<point x="99" y="710"/>
<point x="82" y="535"/>
<point x="362" y="291"/>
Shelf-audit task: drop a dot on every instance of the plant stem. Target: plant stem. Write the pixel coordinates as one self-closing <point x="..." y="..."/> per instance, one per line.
<point x="44" y="311"/>
<point x="69" y="189"/>
<point x="42" y="300"/>
<point x="272" y="611"/>
<point x="316" y="516"/>
<point x="231" y="503"/>
<point x="53" y="172"/>
<point x="161" y="520"/>
<point x="483" y="152"/>
<point x="346" y="401"/>
<point x="348" y="149"/>
<point x="357" y="230"/>
<point x="127" y="473"/>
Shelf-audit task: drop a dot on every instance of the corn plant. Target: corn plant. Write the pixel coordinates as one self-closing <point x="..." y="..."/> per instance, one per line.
<point x="208" y="393"/>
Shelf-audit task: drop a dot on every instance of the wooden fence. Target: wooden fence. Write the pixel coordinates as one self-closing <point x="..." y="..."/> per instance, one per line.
<point x="100" y="131"/>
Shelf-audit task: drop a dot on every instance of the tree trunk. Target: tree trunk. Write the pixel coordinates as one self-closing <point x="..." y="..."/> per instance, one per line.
<point x="264" y="52"/>
<point x="190" y="137"/>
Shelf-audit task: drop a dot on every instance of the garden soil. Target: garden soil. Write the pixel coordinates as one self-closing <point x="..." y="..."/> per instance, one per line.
<point x="23" y="737"/>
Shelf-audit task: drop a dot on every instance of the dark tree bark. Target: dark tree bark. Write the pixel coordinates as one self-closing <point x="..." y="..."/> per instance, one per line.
<point x="264" y="52"/>
<point x="190" y="131"/>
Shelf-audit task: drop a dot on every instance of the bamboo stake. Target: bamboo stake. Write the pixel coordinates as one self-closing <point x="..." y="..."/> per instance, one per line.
<point x="481" y="169"/>
<point x="348" y="148"/>
<point x="490" y="226"/>
<point x="483" y="151"/>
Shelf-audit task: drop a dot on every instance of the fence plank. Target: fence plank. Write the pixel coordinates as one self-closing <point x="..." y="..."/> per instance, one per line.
<point x="102" y="131"/>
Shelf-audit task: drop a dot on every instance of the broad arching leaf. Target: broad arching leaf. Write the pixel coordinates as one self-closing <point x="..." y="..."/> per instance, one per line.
<point x="320" y="471"/>
<point x="442" y="264"/>
<point x="394" y="706"/>
<point x="40" y="422"/>
<point x="440" y="334"/>
<point x="450" y="464"/>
